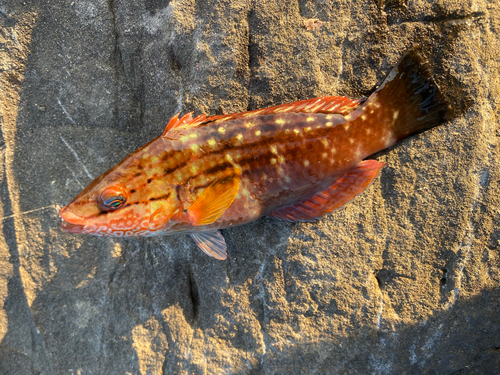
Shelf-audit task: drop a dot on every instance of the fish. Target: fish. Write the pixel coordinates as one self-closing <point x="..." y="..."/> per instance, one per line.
<point x="294" y="162"/>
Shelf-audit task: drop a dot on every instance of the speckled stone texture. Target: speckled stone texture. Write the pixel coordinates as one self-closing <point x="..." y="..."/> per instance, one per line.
<point x="405" y="279"/>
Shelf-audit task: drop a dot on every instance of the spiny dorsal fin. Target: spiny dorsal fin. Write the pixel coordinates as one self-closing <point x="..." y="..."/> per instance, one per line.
<point x="326" y="104"/>
<point x="184" y="122"/>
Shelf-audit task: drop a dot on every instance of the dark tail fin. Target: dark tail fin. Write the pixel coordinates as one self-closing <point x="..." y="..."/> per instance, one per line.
<point x="411" y="97"/>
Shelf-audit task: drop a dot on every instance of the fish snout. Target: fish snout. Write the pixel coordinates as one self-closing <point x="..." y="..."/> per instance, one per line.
<point x="70" y="220"/>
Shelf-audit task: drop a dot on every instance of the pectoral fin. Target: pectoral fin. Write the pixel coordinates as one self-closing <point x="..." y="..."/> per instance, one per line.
<point x="342" y="191"/>
<point x="211" y="243"/>
<point x="214" y="200"/>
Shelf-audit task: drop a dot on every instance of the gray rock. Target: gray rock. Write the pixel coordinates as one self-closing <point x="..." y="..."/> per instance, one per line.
<point x="405" y="279"/>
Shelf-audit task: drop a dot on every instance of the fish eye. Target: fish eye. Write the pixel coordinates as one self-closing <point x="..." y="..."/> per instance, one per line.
<point x="112" y="198"/>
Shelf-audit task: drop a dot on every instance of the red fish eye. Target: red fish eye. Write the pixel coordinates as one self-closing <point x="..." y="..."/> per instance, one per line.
<point x="112" y="198"/>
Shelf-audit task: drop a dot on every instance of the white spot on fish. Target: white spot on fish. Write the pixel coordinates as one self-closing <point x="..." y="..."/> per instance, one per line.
<point x="273" y="161"/>
<point x="357" y="154"/>
<point x="194" y="147"/>
<point x="346" y="126"/>
<point x="249" y="124"/>
<point x="296" y="131"/>
<point x="351" y="140"/>
<point x="309" y="119"/>
<point x="178" y="176"/>
<point x="211" y="142"/>
<point x="257" y="133"/>
<point x="328" y="117"/>
<point x="280" y="121"/>
<point x="306" y="163"/>
<point x="324" y="155"/>
<point x="307" y="129"/>
<point x="395" y="115"/>
<point x="328" y="124"/>
<point x="221" y="130"/>
<point x="325" y="142"/>
<point x="239" y="137"/>
<point x="363" y="117"/>
<point x="389" y="141"/>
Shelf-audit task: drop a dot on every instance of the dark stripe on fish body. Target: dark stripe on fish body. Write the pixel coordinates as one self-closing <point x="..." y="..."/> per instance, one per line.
<point x="217" y="168"/>
<point x="165" y="196"/>
<point x="173" y="169"/>
<point x="255" y="162"/>
<point x="228" y="145"/>
<point x="282" y="136"/>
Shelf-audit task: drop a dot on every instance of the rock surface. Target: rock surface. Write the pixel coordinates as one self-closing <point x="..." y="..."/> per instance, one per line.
<point x="405" y="279"/>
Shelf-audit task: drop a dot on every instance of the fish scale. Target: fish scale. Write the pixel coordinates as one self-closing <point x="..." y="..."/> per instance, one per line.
<point x="295" y="162"/>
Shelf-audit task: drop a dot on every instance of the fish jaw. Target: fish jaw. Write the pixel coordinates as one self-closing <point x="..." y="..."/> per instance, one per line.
<point x="72" y="228"/>
<point x="72" y="223"/>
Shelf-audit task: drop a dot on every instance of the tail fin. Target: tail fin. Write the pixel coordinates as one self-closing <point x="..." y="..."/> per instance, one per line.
<point x="411" y="96"/>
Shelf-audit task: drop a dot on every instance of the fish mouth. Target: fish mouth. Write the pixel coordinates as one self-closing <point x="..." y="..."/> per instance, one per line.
<point x="71" y="222"/>
<point x="71" y="228"/>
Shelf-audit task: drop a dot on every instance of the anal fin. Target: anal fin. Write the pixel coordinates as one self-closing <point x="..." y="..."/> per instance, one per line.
<point x="335" y="196"/>
<point x="211" y="243"/>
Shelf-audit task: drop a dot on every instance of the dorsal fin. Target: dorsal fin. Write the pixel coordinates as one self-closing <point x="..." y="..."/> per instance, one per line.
<point x="184" y="122"/>
<point x="326" y="104"/>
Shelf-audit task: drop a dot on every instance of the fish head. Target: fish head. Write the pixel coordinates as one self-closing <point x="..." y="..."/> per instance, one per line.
<point x="127" y="201"/>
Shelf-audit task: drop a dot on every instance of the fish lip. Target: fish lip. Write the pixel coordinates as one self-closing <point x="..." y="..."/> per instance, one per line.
<point x="71" y="222"/>
<point x="71" y="228"/>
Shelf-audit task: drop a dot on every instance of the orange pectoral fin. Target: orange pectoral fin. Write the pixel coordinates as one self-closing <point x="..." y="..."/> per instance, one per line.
<point x="214" y="200"/>
<point x="342" y="191"/>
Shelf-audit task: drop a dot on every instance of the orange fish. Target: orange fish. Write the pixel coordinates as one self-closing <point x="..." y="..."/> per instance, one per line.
<point x="294" y="162"/>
